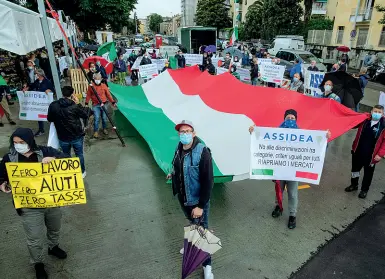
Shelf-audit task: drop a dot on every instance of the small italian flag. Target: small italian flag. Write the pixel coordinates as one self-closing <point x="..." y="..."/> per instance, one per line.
<point x="234" y="36"/>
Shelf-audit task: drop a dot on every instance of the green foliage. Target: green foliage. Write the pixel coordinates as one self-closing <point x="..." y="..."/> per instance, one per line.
<point x="320" y="24"/>
<point x="154" y="22"/>
<point x="268" y="18"/>
<point x="213" y="13"/>
<point x="381" y="9"/>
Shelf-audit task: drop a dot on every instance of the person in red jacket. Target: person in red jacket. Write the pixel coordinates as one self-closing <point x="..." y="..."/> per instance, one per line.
<point x="368" y="149"/>
<point x="105" y="96"/>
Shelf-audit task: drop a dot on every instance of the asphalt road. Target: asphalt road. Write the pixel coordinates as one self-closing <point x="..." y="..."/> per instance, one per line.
<point x="132" y="227"/>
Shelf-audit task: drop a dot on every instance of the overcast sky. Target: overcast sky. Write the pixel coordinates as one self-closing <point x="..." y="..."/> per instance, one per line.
<point x="162" y="7"/>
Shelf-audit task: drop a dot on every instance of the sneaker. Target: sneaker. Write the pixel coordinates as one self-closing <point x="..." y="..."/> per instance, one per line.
<point x="40" y="271"/>
<point x="105" y="131"/>
<point x="277" y="212"/>
<point x="292" y="222"/>
<point x="362" y="194"/>
<point x="1" y="125"/>
<point x="181" y="251"/>
<point x="39" y="133"/>
<point x="207" y="270"/>
<point x="96" y="135"/>
<point x="12" y="123"/>
<point x="84" y="174"/>
<point x="351" y="188"/>
<point x="57" y="252"/>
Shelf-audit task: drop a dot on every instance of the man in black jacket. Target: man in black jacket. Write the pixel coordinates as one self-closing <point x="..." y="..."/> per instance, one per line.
<point x="254" y="71"/>
<point x="66" y="113"/>
<point x="145" y="60"/>
<point x="194" y="186"/>
<point x="23" y="149"/>
<point x="181" y="59"/>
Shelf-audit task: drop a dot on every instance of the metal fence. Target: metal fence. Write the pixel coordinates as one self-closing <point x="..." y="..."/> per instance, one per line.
<point x="319" y="37"/>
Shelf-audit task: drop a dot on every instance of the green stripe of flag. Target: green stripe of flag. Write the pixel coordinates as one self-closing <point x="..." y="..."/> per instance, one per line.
<point x="262" y="172"/>
<point x="23" y="114"/>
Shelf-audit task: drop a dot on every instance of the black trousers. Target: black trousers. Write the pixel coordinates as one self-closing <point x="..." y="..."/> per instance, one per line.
<point x="358" y="162"/>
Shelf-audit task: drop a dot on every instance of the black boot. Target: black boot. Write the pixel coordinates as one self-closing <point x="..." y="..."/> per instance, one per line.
<point x="277" y="212"/>
<point x="57" y="252"/>
<point x="40" y="271"/>
<point x="353" y="185"/>
<point x="362" y="194"/>
<point x="292" y="222"/>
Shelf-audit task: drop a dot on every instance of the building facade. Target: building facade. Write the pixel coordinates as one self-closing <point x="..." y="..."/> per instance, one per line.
<point x="143" y="27"/>
<point x="188" y="9"/>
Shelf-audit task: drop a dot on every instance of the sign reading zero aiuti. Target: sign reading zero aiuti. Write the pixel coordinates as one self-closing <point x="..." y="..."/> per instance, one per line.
<point x="287" y="154"/>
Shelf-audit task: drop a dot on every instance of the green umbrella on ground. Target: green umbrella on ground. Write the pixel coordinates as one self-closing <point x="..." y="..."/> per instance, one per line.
<point x="108" y="48"/>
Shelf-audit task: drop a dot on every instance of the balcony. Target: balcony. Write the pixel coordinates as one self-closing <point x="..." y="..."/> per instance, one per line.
<point x="319" y="8"/>
<point x="362" y="16"/>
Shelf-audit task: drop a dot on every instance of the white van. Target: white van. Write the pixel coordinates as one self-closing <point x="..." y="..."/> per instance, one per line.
<point x="287" y="42"/>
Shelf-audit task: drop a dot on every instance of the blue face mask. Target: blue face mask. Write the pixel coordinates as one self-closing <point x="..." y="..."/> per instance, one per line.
<point x="186" y="138"/>
<point x="295" y="79"/>
<point x="376" y="116"/>
<point x="291" y="124"/>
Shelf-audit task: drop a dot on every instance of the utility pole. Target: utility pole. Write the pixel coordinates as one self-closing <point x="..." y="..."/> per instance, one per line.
<point x="354" y="24"/>
<point x="48" y="45"/>
<point x="136" y="23"/>
<point x="60" y="12"/>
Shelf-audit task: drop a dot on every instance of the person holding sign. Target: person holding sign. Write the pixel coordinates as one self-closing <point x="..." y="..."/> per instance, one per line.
<point x="209" y="67"/>
<point x="297" y="85"/>
<point x="290" y="122"/>
<point x="328" y="92"/>
<point x="24" y="149"/>
<point x="368" y="149"/>
<point x="181" y="59"/>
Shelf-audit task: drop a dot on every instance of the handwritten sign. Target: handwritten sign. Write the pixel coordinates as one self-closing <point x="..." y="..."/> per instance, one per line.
<point x="193" y="59"/>
<point x="168" y="50"/>
<point x="215" y="61"/>
<point x="161" y="63"/>
<point x="312" y="82"/>
<point x="272" y="73"/>
<point x="287" y="154"/>
<point x="148" y="71"/>
<point x="38" y="185"/>
<point x="34" y="105"/>
<point x="244" y="74"/>
<point x="265" y="61"/>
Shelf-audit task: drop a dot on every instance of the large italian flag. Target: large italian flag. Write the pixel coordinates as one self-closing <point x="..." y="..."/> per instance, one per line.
<point x="222" y="109"/>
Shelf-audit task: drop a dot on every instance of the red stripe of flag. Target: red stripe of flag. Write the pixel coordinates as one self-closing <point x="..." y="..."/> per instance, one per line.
<point x="308" y="175"/>
<point x="42" y="116"/>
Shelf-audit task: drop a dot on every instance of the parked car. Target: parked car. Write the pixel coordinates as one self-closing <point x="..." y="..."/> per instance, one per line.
<point x="288" y="56"/>
<point x="327" y="62"/>
<point x="286" y="42"/>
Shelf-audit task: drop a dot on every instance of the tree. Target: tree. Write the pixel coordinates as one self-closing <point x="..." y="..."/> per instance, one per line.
<point x="154" y="21"/>
<point x="308" y="9"/>
<point x="213" y="13"/>
<point x="92" y="15"/>
<point x="269" y="18"/>
<point x="381" y="9"/>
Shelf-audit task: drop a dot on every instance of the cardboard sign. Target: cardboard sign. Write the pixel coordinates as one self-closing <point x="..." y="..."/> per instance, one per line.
<point x="38" y="185"/>
<point x="265" y="61"/>
<point x="34" y="105"/>
<point x="168" y="50"/>
<point x="161" y="63"/>
<point x="244" y="74"/>
<point x="221" y="70"/>
<point x="136" y="64"/>
<point x="148" y="71"/>
<point x="193" y="59"/>
<point x="312" y="82"/>
<point x="272" y="73"/>
<point x="287" y="154"/>
<point x="215" y="61"/>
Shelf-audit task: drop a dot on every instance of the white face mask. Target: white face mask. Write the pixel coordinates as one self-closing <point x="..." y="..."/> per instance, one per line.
<point x="30" y="68"/>
<point x="21" y="148"/>
<point x="43" y="56"/>
<point x="97" y="81"/>
<point x="328" y="88"/>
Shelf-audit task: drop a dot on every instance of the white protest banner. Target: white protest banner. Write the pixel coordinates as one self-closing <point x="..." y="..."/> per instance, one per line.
<point x="244" y="74"/>
<point x="221" y="70"/>
<point x="272" y="73"/>
<point x="312" y="82"/>
<point x="215" y="61"/>
<point x="381" y="100"/>
<point x="265" y="61"/>
<point x="168" y="50"/>
<point x="136" y="64"/>
<point x="160" y="62"/>
<point x="287" y="154"/>
<point x="34" y="105"/>
<point x="193" y="59"/>
<point x="148" y="71"/>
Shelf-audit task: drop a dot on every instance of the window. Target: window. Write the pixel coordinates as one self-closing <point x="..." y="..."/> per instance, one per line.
<point x="307" y="58"/>
<point x="290" y="57"/>
<point x="340" y="34"/>
<point x="382" y="38"/>
<point x="362" y="37"/>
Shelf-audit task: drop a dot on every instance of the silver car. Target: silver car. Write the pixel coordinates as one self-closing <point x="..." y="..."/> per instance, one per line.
<point x="288" y="56"/>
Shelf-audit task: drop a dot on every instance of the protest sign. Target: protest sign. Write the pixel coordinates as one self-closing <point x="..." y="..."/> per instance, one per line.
<point x="244" y="74"/>
<point x="161" y="63"/>
<point x="136" y="64"/>
<point x="168" y="50"/>
<point x="38" y="185"/>
<point x="287" y="154"/>
<point x="148" y="71"/>
<point x="272" y="73"/>
<point x="34" y="105"/>
<point x="193" y="59"/>
<point x="265" y="61"/>
<point x="215" y="61"/>
<point x="381" y="100"/>
<point x="221" y="70"/>
<point x="312" y="82"/>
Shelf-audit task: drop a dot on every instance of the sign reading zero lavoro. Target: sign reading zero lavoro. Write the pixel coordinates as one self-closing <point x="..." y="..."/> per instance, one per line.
<point x="287" y="154"/>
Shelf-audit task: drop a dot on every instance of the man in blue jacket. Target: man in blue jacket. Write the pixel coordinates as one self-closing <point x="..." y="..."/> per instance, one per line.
<point x="297" y="68"/>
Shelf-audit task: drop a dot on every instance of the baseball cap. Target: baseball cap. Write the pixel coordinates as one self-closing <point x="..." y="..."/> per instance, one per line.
<point x="184" y="122"/>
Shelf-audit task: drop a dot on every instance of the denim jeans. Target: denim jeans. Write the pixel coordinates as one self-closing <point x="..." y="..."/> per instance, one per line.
<point x="292" y="191"/>
<point x="97" y="112"/>
<point x="78" y="149"/>
<point x="41" y="126"/>
<point x="204" y="222"/>
<point x="254" y="81"/>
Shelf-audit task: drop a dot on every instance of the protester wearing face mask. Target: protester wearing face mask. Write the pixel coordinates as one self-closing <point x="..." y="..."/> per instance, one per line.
<point x="313" y="66"/>
<point x="121" y="69"/>
<point x="254" y="72"/>
<point x="145" y="60"/>
<point x="92" y="71"/>
<point x="233" y="72"/>
<point x="335" y="68"/>
<point x="227" y="62"/>
<point x="44" y="64"/>
<point x="30" y="76"/>
<point x="41" y="84"/>
<point x="180" y="59"/>
<point x="328" y="91"/>
<point x="297" y="85"/>
<point x="193" y="179"/>
<point x="105" y="96"/>
<point x="236" y="62"/>
<point x="290" y="122"/>
<point x="368" y="149"/>
<point x="210" y="68"/>
<point x="100" y="69"/>
<point x="23" y="149"/>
